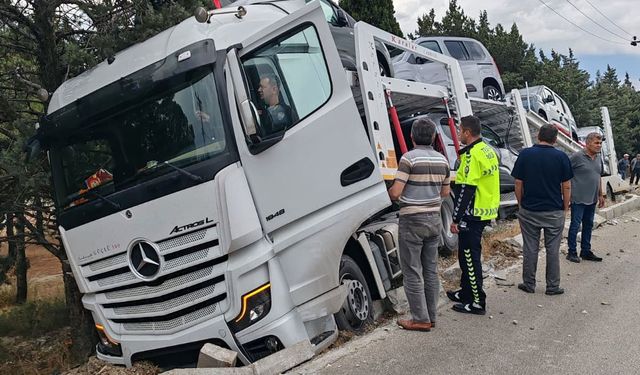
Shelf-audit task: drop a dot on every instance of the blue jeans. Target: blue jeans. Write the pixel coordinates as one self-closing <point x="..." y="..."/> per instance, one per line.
<point x="581" y="214"/>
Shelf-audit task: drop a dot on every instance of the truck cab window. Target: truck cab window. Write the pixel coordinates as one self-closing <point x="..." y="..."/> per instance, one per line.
<point x="288" y="80"/>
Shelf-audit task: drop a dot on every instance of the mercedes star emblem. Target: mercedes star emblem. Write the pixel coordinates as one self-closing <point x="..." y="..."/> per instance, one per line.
<point x="144" y="260"/>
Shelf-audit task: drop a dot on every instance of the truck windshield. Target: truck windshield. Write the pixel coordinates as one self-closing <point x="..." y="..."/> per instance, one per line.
<point x="169" y="131"/>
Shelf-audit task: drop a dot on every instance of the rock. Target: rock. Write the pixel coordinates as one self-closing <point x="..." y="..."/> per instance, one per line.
<point x="515" y="241"/>
<point x="500" y="274"/>
<point x="215" y="356"/>
<point x="489" y="229"/>
<point x="396" y="301"/>
<point x="490" y="316"/>
<point x="584" y="312"/>
<point x="612" y="222"/>
<point x="504" y="283"/>
<point x="284" y="360"/>
<point x="626" y="221"/>
<point x="531" y="328"/>
<point x="635" y="219"/>
<point x="540" y="306"/>
<point x="569" y="274"/>
<point x="608" y="254"/>
<point x="515" y="322"/>
<point x="452" y="273"/>
<point x="604" y="303"/>
<point x="622" y="251"/>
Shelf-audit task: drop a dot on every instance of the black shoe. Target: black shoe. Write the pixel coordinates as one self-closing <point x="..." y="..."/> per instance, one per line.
<point x="526" y="288"/>
<point x="554" y="292"/>
<point x="470" y="308"/>
<point x="573" y="258"/>
<point x="592" y="257"/>
<point x="454" y="295"/>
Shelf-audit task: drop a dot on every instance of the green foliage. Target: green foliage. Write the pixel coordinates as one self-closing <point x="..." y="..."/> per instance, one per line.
<point x="379" y="13"/>
<point x="520" y="64"/>
<point x="34" y="318"/>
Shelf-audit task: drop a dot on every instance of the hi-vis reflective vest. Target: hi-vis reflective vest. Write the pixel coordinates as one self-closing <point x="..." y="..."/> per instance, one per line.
<point x="479" y="167"/>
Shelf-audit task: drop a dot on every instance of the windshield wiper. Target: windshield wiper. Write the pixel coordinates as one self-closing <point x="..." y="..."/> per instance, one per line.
<point x="74" y="197"/>
<point x="192" y="176"/>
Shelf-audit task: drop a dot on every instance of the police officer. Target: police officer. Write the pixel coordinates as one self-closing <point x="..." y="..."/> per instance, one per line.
<point x="477" y="197"/>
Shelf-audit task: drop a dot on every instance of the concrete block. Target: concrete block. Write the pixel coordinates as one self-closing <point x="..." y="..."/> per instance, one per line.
<point x="396" y="301"/>
<point x="284" y="360"/>
<point x="620" y="209"/>
<point x="215" y="356"/>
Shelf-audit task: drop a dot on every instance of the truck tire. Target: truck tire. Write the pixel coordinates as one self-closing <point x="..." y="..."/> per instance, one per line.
<point x="449" y="240"/>
<point x="357" y="310"/>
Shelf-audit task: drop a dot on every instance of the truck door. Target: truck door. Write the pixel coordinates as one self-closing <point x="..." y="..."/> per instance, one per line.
<point x="310" y="159"/>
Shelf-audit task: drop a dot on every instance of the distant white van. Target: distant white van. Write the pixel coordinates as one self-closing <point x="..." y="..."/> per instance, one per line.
<point x="478" y="67"/>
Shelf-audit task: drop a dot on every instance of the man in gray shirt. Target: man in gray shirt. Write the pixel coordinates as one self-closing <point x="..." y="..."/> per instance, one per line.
<point x="586" y="191"/>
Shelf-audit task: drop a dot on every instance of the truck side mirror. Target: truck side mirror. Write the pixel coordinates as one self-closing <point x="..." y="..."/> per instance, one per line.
<point x="32" y="149"/>
<point x="341" y="18"/>
<point x="548" y="99"/>
<point x="421" y="60"/>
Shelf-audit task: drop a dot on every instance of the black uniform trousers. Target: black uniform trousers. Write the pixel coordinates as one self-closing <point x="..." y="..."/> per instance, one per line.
<point x="469" y="252"/>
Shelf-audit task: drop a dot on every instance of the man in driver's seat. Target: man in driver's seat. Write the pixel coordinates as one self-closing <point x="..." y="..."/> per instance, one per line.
<point x="279" y="114"/>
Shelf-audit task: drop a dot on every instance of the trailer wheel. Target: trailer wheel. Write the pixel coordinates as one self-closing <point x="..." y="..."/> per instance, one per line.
<point x="449" y="240"/>
<point x="357" y="310"/>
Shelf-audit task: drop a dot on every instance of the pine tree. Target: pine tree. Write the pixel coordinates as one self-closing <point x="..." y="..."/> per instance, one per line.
<point x="379" y="13"/>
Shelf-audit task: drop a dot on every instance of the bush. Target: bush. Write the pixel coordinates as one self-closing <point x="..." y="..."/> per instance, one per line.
<point x="33" y="318"/>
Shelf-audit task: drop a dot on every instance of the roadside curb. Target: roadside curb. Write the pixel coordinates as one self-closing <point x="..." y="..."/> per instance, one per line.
<point x="621" y="208"/>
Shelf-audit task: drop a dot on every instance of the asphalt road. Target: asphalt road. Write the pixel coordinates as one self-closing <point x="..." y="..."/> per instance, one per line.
<point x="594" y="328"/>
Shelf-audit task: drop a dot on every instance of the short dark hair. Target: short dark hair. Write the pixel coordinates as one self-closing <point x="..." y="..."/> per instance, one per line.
<point x="423" y="131"/>
<point x="548" y="133"/>
<point x="472" y="124"/>
<point x="273" y="79"/>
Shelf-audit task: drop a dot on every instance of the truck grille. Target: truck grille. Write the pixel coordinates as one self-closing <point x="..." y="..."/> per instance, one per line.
<point x="189" y="288"/>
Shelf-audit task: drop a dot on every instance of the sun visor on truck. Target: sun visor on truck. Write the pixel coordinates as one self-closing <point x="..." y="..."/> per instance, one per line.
<point x="128" y="91"/>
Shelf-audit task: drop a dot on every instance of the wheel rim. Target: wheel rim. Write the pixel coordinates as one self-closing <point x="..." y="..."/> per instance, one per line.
<point x="493" y="94"/>
<point x="356" y="306"/>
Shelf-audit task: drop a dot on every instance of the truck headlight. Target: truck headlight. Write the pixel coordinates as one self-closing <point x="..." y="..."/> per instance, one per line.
<point x="255" y="306"/>
<point x="107" y="345"/>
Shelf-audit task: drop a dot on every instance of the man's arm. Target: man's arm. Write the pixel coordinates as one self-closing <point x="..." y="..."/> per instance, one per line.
<point x="566" y="194"/>
<point x="519" y="190"/>
<point x="445" y="191"/>
<point x="395" y="191"/>
<point x="601" y="195"/>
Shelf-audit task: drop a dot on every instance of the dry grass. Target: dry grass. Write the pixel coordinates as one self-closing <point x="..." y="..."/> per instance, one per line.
<point x="48" y="354"/>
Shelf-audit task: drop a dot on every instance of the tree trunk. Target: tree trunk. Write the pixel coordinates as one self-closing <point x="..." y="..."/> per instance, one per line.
<point x="21" y="264"/>
<point x="39" y="215"/>
<point x="9" y="261"/>
<point x="85" y="337"/>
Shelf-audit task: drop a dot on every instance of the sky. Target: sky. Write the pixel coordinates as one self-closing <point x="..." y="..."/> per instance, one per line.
<point x="540" y="26"/>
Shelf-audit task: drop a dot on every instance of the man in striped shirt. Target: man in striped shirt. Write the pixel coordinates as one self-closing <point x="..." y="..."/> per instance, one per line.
<point x="421" y="182"/>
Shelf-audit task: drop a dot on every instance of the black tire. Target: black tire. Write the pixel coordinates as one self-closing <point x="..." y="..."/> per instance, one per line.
<point x="449" y="240"/>
<point x="384" y="70"/>
<point x="492" y="93"/>
<point x="357" y="311"/>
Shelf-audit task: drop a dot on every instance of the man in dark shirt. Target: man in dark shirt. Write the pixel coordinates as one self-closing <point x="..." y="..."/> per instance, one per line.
<point x="277" y="114"/>
<point x="543" y="190"/>
<point x="586" y="191"/>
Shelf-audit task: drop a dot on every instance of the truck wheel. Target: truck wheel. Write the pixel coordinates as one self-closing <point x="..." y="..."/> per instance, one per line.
<point x="357" y="309"/>
<point x="610" y="194"/>
<point x="449" y="240"/>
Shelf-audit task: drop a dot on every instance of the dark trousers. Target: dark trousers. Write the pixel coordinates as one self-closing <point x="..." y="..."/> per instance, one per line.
<point x="581" y="214"/>
<point x="635" y="174"/>
<point x="469" y="252"/>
